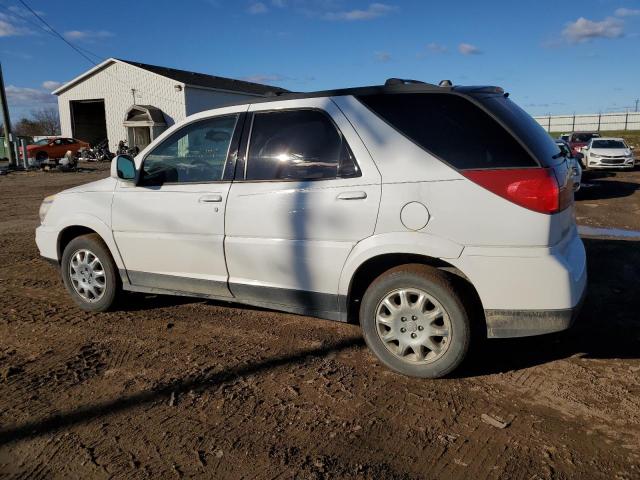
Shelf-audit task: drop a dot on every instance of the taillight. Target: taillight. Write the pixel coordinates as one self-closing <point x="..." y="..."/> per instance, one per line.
<point x="534" y="188"/>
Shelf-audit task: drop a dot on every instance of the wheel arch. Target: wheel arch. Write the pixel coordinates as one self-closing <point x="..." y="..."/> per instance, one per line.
<point x="85" y="224"/>
<point x="365" y="264"/>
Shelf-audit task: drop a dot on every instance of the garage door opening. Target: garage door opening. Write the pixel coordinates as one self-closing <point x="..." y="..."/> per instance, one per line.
<point x="88" y="120"/>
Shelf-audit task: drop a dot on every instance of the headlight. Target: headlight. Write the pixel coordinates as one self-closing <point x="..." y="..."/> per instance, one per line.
<point x="44" y="207"/>
<point x="595" y="155"/>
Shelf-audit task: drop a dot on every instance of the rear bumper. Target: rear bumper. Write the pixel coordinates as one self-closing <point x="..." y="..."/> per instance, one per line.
<point x="527" y="323"/>
<point x="528" y="291"/>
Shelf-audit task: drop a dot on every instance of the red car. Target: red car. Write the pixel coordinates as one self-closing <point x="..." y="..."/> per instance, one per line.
<point x="577" y="140"/>
<point x="54" y="148"/>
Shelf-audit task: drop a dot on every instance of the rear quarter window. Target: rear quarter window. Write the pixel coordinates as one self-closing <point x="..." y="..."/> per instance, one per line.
<point x="452" y="128"/>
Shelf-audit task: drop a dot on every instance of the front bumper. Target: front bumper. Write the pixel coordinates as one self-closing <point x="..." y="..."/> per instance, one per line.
<point x="598" y="163"/>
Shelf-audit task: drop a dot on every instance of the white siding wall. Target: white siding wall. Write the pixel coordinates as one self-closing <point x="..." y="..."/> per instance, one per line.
<point x="114" y="84"/>
<point x="200" y="99"/>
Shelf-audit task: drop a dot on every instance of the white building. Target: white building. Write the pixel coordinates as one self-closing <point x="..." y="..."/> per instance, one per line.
<point x="123" y="100"/>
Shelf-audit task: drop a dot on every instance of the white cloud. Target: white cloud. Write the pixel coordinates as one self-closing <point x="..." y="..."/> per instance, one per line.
<point x="257" y="8"/>
<point x="469" y="49"/>
<point x="583" y="29"/>
<point x="10" y="26"/>
<point x="435" y="47"/>
<point x="29" y="97"/>
<point x="87" y="35"/>
<point x="382" y="56"/>
<point x="374" y="10"/>
<point x="51" y="84"/>
<point x="626" y="12"/>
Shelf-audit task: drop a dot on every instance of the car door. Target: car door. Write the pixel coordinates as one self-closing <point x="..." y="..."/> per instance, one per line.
<point x="57" y="148"/>
<point x="169" y="228"/>
<point x="306" y="191"/>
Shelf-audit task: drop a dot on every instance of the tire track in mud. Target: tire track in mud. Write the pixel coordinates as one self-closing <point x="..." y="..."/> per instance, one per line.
<point x="326" y="415"/>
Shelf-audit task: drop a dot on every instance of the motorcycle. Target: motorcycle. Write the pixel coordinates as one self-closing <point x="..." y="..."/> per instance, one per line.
<point x="123" y="149"/>
<point x="99" y="153"/>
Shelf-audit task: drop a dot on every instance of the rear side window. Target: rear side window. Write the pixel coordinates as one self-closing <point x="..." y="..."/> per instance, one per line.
<point x="297" y="145"/>
<point x="452" y="128"/>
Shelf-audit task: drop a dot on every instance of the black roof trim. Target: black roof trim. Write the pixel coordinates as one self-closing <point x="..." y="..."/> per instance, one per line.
<point x="357" y="91"/>
<point x="208" y="81"/>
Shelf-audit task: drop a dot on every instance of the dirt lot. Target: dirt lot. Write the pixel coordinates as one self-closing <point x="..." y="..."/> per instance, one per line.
<point x="172" y="388"/>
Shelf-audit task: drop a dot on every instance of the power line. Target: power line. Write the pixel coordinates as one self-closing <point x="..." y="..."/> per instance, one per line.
<point x="54" y="31"/>
<point x="79" y="50"/>
<point x="45" y="30"/>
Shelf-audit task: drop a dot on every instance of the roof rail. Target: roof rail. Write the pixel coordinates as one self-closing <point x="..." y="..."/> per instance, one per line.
<point x="401" y="81"/>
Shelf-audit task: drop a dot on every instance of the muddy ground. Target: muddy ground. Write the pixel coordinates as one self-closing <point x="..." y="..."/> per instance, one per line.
<point x="179" y="388"/>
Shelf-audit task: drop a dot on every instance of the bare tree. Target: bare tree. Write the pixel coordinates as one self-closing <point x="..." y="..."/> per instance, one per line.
<point x="47" y="121"/>
<point x="27" y="127"/>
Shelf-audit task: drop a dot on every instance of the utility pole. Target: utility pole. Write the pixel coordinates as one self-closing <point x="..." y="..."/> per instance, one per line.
<point x="637" y="100"/>
<point x="5" y="119"/>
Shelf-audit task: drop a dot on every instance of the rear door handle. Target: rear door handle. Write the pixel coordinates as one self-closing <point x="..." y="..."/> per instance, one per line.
<point x="352" y="196"/>
<point x="214" y="198"/>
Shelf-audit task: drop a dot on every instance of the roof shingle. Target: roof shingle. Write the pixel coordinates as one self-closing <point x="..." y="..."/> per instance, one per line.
<point x="208" y="81"/>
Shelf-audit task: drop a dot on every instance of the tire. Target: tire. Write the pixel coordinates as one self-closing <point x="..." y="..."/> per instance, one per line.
<point x="422" y="320"/>
<point x="104" y="287"/>
<point x="41" y="156"/>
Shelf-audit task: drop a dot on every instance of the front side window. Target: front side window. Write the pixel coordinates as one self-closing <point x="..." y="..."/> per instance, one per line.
<point x="195" y="153"/>
<point x="297" y="145"/>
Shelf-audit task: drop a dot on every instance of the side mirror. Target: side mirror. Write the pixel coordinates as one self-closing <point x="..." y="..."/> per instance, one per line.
<point x="632" y="147"/>
<point x="125" y="168"/>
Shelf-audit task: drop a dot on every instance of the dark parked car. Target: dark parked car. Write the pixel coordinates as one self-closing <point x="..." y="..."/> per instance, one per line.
<point x="579" y="140"/>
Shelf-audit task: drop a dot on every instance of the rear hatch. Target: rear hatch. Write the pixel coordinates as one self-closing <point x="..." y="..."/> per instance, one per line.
<point x="535" y="140"/>
<point x="495" y="144"/>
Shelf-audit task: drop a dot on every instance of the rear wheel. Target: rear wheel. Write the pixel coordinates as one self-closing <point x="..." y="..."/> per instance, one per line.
<point x="415" y="322"/>
<point x="89" y="273"/>
<point x="41" y="156"/>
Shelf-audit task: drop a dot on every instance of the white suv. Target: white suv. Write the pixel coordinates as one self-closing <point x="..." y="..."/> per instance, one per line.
<point x="425" y="213"/>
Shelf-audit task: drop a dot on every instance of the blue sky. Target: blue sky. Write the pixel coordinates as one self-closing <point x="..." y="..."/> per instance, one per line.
<point x="554" y="57"/>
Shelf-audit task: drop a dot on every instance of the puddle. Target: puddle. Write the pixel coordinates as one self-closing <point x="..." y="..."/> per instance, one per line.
<point x="588" y="231"/>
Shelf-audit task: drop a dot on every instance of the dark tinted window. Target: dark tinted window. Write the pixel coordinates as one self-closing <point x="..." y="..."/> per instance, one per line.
<point x="583" y="137"/>
<point x="297" y="145"/>
<point x="195" y="153"/>
<point x="608" y="144"/>
<point x="524" y="127"/>
<point x="451" y="127"/>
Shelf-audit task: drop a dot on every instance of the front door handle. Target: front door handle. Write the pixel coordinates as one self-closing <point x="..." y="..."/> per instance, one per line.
<point x="352" y="196"/>
<point x="214" y="198"/>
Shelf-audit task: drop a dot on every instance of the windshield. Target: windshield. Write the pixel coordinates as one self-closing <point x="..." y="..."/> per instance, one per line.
<point x="583" y="137"/>
<point x="44" y="141"/>
<point x="524" y="127"/>
<point x="608" y="144"/>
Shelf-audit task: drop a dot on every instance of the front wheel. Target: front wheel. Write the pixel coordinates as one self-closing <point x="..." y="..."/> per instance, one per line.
<point x="414" y="321"/>
<point x="89" y="273"/>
